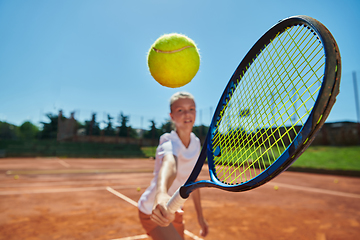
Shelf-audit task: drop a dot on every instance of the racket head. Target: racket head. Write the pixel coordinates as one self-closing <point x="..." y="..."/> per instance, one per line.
<point x="273" y="106"/>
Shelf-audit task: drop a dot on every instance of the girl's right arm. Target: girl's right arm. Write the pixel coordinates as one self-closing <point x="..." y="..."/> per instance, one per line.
<point x="166" y="176"/>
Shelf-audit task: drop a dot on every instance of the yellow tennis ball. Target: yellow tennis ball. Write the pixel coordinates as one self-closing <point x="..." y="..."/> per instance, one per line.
<point x="173" y="60"/>
<point x="276" y="188"/>
<point x="138" y="189"/>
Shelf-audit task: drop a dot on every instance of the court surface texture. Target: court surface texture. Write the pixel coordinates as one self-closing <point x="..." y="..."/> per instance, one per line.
<point x="72" y="198"/>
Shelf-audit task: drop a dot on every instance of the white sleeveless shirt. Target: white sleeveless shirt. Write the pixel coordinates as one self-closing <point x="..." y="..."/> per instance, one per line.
<point x="170" y="143"/>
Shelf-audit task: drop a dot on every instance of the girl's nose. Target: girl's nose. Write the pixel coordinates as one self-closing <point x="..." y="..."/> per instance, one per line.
<point x="186" y="112"/>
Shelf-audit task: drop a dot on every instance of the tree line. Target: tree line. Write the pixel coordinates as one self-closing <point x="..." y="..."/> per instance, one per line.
<point x="48" y="130"/>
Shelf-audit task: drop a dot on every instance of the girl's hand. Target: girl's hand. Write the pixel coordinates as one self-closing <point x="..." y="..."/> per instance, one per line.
<point x="204" y="227"/>
<point x="160" y="214"/>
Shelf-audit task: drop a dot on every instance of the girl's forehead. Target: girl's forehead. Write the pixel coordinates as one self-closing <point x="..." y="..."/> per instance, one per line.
<point x="183" y="102"/>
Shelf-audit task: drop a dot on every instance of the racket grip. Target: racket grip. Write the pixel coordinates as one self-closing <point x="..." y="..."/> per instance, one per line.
<point x="175" y="202"/>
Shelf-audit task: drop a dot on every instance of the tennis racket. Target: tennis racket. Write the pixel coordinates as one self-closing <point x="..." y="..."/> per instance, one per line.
<point x="271" y="110"/>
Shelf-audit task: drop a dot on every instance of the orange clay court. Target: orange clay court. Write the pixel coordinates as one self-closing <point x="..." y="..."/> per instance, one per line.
<point x="54" y="198"/>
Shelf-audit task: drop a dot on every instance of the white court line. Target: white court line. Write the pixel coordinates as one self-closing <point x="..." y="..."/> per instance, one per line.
<point x="308" y="189"/>
<point x="51" y="190"/>
<point x="132" y="202"/>
<point x="65" y="183"/>
<point x="144" y="236"/>
<point x="193" y="236"/>
<point x="316" y="190"/>
<point x="65" y="164"/>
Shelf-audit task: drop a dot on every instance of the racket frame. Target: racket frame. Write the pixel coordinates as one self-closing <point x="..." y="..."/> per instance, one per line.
<point x="324" y="102"/>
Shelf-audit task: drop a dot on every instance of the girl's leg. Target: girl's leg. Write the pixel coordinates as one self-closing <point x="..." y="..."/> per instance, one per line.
<point x="165" y="233"/>
<point x="174" y="231"/>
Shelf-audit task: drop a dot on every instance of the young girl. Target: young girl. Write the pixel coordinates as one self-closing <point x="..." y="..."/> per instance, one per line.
<point x="176" y="156"/>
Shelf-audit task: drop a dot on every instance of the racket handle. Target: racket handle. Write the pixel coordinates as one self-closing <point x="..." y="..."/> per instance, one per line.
<point x="175" y="202"/>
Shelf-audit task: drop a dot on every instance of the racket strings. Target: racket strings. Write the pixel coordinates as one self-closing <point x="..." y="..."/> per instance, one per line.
<point x="246" y="139"/>
<point x="241" y="139"/>
<point x="268" y="105"/>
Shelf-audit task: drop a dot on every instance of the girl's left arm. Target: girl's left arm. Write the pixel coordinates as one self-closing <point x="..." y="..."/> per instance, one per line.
<point x="197" y="203"/>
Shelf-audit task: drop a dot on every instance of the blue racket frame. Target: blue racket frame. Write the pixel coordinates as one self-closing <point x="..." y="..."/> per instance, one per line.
<point x="324" y="102"/>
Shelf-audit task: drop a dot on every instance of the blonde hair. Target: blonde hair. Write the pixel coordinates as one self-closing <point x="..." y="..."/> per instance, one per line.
<point x="179" y="95"/>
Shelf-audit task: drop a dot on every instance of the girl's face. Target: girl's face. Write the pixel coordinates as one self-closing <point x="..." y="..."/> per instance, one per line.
<point x="183" y="113"/>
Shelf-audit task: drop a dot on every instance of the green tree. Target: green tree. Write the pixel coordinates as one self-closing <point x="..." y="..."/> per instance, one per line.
<point x="49" y="130"/>
<point x="109" y="130"/>
<point x="124" y="130"/>
<point x="28" y="131"/>
<point x="167" y="126"/>
<point x="92" y="127"/>
<point x="8" y="131"/>
<point x="200" y="131"/>
<point x="153" y="133"/>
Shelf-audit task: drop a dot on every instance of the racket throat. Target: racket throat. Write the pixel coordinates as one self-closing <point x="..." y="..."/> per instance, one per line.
<point x="184" y="192"/>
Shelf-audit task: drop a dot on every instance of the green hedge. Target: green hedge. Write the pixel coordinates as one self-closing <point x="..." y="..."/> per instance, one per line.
<point x="51" y="148"/>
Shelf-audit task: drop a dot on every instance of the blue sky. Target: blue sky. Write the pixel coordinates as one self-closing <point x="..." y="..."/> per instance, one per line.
<point x="90" y="56"/>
